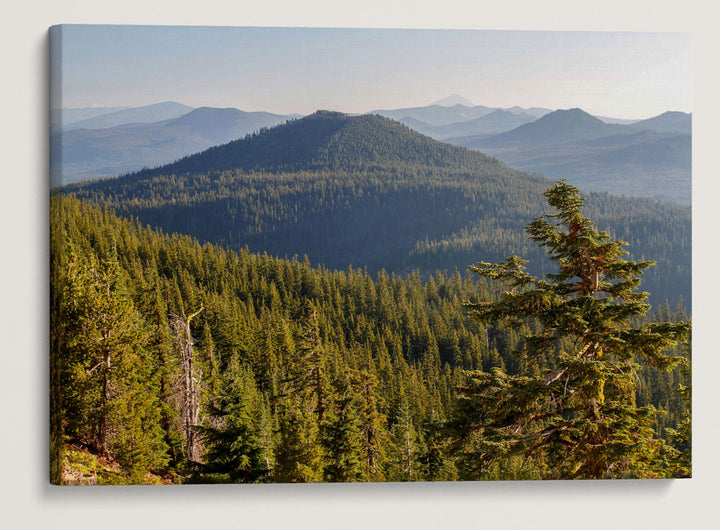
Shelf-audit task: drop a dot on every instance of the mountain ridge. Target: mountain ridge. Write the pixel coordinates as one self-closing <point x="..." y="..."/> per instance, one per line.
<point x="494" y="122"/>
<point x="649" y="158"/>
<point x="147" y="114"/>
<point x="453" y="99"/>
<point x="83" y="154"/>
<point x="559" y="126"/>
<point x="369" y="192"/>
<point x="325" y="139"/>
<point x="669" y="121"/>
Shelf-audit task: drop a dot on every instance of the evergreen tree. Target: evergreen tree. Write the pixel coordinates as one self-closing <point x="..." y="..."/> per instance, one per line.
<point x="310" y="377"/>
<point x="404" y="445"/>
<point x="681" y="438"/>
<point x="302" y="408"/>
<point x="341" y="440"/>
<point x="298" y="453"/>
<point x="109" y="390"/>
<point x="233" y="445"/>
<point x="372" y="424"/>
<point x="578" y="418"/>
<point x="381" y="360"/>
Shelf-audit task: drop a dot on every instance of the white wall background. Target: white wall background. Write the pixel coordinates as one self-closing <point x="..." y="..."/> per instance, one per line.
<point x="26" y="498"/>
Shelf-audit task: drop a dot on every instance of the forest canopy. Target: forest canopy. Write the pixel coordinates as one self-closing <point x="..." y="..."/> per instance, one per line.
<point x="174" y="361"/>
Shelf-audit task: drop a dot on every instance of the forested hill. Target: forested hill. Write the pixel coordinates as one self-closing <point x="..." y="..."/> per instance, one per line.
<point x="368" y="192"/>
<point x="327" y="140"/>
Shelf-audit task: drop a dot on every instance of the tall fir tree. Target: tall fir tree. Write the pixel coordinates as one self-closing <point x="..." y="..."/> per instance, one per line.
<point x="302" y="408"/>
<point x="571" y="410"/>
<point x="372" y="424"/>
<point x="404" y="445"/>
<point x="341" y="440"/>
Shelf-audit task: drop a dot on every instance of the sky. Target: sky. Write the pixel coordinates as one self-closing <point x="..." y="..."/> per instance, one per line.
<point x="300" y="70"/>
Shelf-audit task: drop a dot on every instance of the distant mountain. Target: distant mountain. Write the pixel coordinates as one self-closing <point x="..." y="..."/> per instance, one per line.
<point x="369" y="192"/>
<point x="326" y="139"/>
<point x="639" y="159"/>
<point x="147" y="114"/>
<point x="452" y="100"/>
<point x="72" y="115"/>
<point x="220" y="125"/>
<point x="671" y="121"/>
<point x="536" y="112"/>
<point x="82" y="154"/>
<point x="559" y="126"/>
<point x="497" y="121"/>
<point x="616" y="121"/>
<point x="436" y="115"/>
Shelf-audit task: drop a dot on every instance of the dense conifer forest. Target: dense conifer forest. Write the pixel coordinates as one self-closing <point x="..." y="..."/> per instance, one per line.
<point x="369" y="192"/>
<point x="297" y="306"/>
<point x="176" y="362"/>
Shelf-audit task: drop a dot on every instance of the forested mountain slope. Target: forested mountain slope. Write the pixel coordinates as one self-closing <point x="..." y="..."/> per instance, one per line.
<point x="299" y="374"/>
<point x="369" y="192"/>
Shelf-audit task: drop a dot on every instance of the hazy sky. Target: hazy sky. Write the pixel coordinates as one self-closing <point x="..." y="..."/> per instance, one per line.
<point x="623" y="75"/>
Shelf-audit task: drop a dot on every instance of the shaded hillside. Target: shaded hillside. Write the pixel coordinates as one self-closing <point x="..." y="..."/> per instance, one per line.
<point x="327" y="140"/>
<point x="368" y="192"/>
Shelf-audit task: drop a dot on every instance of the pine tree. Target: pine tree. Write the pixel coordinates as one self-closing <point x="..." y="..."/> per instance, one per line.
<point x="578" y="417"/>
<point x="310" y="377"/>
<point x="298" y="455"/>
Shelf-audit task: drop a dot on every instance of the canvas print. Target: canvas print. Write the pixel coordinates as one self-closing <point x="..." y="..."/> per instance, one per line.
<point x="300" y="255"/>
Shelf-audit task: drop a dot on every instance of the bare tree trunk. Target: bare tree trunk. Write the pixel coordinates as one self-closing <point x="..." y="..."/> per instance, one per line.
<point x="190" y="406"/>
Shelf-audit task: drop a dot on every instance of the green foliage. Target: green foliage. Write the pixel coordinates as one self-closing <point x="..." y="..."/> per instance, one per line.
<point x="233" y="446"/>
<point x="298" y="452"/>
<point x="107" y="373"/>
<point x="306" y="374"/>
<point x="83" y="468"/>
<point x="368" y="192"/>
<point x="405" y="445"/>
<point x="572" y="410"/>
<point x="342" y="442"/>
<point x="680" y="452"/>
